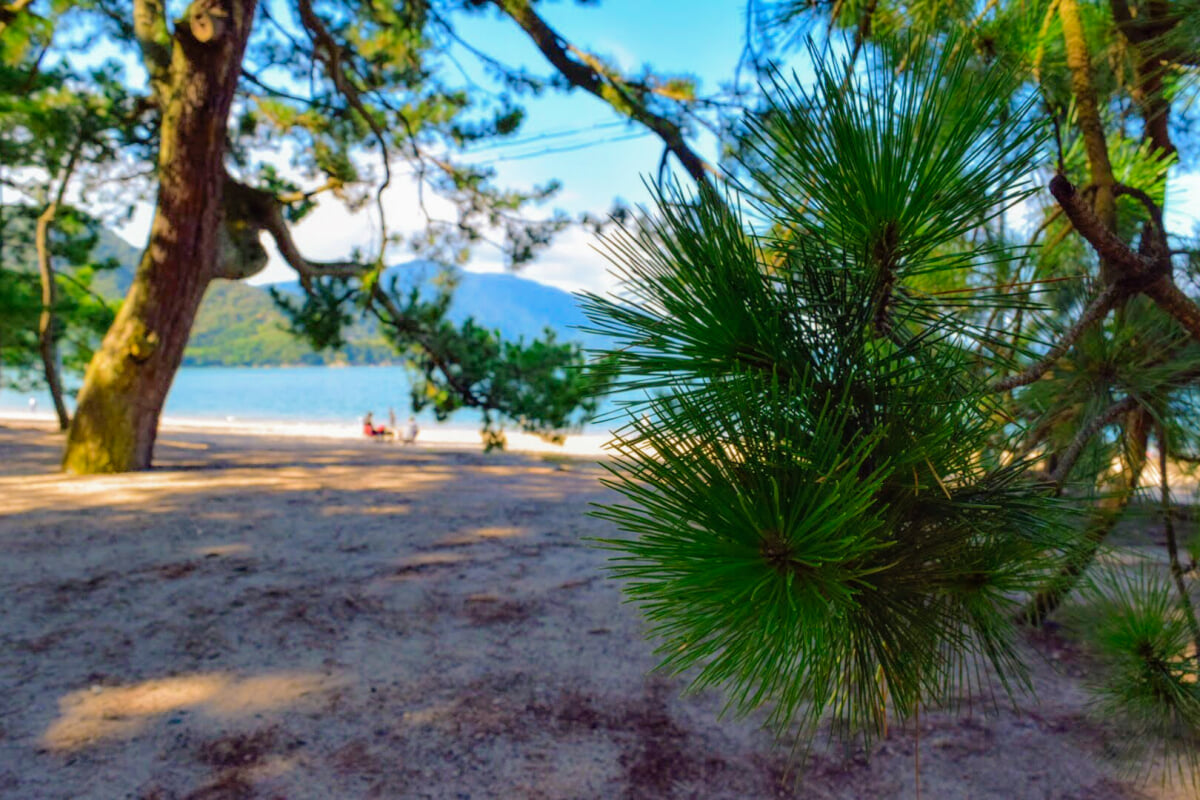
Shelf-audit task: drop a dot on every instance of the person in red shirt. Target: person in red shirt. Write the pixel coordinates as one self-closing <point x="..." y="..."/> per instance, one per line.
<point x="369" y="429"/>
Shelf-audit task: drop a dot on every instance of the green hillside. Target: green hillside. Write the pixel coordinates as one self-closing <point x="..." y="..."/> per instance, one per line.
<point x="239" y="325"/>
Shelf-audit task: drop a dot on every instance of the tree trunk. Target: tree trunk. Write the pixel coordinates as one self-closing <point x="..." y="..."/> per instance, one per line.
<point x="47" y="324"/>
<point x="1079" y="63"/>
<point x="127" y="381"/>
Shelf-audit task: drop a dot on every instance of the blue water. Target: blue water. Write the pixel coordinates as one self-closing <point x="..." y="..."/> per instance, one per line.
<point x="293" y="394"/>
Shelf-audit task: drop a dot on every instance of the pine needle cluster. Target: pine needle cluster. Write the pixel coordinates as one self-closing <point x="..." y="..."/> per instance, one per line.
<point x="1149" y="681"/>
<point x="816" y="523"/>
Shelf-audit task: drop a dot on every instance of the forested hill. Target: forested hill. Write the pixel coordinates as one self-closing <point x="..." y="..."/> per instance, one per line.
<point x="239" y="325"/>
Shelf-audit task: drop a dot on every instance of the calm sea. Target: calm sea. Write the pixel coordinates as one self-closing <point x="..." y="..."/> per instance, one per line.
<point x="291" y="394"/>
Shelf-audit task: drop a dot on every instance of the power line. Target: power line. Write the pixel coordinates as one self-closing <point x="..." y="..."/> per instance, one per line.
<point x="553" y="134"/>
<point x="571" y="147"/>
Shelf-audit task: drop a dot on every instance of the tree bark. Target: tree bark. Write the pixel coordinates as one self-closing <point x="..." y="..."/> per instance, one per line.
<point x="127" y="381"/>
<point x="47" y="321"/>
<point x="1079" y="63"/>
<point x="1103" y="519"/>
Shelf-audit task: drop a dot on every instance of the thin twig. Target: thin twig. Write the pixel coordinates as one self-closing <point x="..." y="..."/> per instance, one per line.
<point x="1094" y="312"/>
<point x="1084" y="435"/>
<point x="1185" y="599"/>
<point x="1008" y="285"/>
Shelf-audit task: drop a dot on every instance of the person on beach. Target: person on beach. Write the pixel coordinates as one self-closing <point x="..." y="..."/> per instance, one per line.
<point x="410" y="434"/>
<point x="369" y="429"/>
<point x="392" y="420"/>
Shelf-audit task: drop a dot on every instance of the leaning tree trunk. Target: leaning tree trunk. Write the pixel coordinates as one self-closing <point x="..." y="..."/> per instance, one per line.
<point x="48" y="322"/>
<point x="126" y="383"/>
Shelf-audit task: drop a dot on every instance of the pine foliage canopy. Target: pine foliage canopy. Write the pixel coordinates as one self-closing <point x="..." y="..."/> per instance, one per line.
<point x="817" y="523"/>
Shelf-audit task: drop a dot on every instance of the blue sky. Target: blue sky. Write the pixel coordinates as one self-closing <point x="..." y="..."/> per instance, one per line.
<point x="700" y="38"/>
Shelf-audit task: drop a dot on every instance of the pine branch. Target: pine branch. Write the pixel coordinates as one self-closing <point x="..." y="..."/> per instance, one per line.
<point x="1104" y="518"/>
<point x="259" y="210"/>
<point x="610" y="88"/>
<point x="1106" y="243"/>
<point x="1084" y="435"/>
<point x="1149" y="272"/>
<point x="1094" y="312"/>
<point x="1171" y="299"/>
<point x="1146" y="200"/>
<point x="331" y="53"/>
<point x="1185" y="598"/>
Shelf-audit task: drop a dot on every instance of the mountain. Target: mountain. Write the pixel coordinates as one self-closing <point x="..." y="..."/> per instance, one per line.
<point x="239" y="324"/>
<point x="515" y="306"/>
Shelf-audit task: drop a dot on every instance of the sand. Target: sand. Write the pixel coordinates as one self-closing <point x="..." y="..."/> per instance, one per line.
<point x="443" y="436"/>
<point x="294" y="618"/>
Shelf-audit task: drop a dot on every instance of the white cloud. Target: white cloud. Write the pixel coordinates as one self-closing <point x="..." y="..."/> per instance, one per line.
<point x="571" y="263"/>
<point x="332" y="232"/>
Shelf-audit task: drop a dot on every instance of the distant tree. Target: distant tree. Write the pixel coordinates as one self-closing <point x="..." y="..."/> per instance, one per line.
<point x="80" y="314"/>
<point x="332" y="82"/>
<point x="55" y="138"/>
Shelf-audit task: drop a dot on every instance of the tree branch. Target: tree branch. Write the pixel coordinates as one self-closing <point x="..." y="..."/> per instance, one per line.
<point x="1148" y="272"/>
<point x="1171" y="299"/>
<point x="398" y="319"/>
<point x="249" y="211"/>
<point x="331" y="185"/>
<point x="1185" y="597"/>
<point x="325" y="42"/>
<point x="610" y="88"/>
<point x="1106" y="243"/>
<point x="1084" y="435"/>
<point x="275" y="224"/>
<point x="1094" y="312"/>
<point x="150" y="28"/>
<point x="1145" y="199"/>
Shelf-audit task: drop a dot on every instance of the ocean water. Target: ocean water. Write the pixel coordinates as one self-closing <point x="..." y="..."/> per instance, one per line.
<point x="317" y="394"/>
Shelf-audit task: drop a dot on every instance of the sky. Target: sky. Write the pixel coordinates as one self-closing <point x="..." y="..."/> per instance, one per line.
<point x="702" y="39"/>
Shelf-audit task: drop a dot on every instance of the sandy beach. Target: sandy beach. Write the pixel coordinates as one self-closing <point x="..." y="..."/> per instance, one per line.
<point x="285" y="616"/>
<point x="444" y="436"/>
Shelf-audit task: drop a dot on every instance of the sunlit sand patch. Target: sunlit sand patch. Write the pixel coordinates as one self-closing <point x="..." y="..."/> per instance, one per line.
<point x="333" y="510"/>
<point x="429" y="560"/>
<point x="238" y="548"/>
<point x="428" y="715"/>
<point x="88" y="715"/>
<point x="265" y="692"/>
<point x="20" y="494"/>
<point x="500" y="532"/>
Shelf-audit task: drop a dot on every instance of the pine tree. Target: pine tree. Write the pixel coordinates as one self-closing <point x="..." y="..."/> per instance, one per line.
<point x="820" y="523"/>
<point x="356" y="90"/>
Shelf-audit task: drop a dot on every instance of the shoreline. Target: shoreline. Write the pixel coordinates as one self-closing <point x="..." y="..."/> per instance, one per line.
<point x="441" y="437"/>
